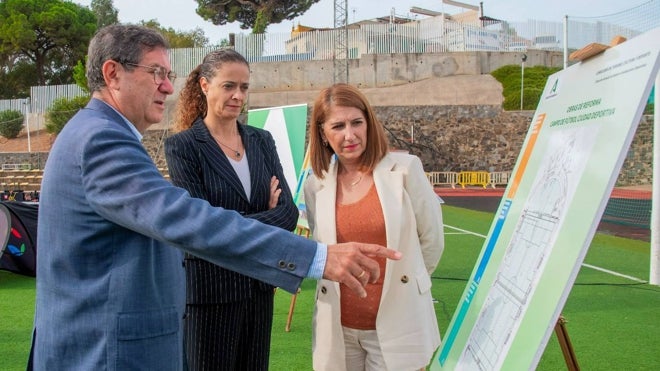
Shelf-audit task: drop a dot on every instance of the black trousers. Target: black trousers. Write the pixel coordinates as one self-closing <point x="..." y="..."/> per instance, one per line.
<point x="230" y="336"/>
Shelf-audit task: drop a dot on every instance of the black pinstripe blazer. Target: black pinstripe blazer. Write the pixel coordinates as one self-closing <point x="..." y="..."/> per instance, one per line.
<point x="197" y="164"/>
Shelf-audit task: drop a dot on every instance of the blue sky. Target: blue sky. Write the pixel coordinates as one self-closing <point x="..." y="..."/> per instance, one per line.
<point x="180" y="14"/>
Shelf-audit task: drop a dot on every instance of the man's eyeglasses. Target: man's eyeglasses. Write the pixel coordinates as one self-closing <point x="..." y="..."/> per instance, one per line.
<point x="160" y="73"/>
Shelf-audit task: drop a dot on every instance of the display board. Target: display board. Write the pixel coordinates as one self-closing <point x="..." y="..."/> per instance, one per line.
<point x="570" y="159"/>
<point x="287" y="125"/>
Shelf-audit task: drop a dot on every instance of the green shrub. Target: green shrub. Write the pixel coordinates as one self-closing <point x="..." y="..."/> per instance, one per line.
<point x="534" y="81"/>
<point x="11" y="123"/>
<point x="62" y="111"/>
<point x="531" y="98"/>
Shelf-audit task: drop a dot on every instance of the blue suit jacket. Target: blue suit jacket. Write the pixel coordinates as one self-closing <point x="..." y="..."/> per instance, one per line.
<point x="197" y="163"/>
<point x="110" y="285"/>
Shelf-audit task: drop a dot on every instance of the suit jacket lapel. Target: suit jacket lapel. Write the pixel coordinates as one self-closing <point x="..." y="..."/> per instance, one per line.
<point x="389" y="183"/>
<point x="326" y="199"/>
<point x="216" y="158"/>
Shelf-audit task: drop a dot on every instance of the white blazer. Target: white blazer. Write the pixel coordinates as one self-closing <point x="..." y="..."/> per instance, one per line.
<point x="406" y="324"/>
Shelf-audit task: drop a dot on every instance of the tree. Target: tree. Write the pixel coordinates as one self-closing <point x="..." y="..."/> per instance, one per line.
<point x="16" y="77"/>
<point x="179" y="39"/>
<point x="106" y="13"/>
<point x="51" y="34"/>
<point x="186" y="39"/>
<point x="255" y="14"/>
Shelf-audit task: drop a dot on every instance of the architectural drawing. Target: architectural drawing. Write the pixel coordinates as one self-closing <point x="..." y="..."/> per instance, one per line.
<point x="532" y="241"/>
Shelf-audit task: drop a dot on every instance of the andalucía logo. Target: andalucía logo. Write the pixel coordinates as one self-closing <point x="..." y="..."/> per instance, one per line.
<point x="554" y="90"/>
<point x="13" y="249"/>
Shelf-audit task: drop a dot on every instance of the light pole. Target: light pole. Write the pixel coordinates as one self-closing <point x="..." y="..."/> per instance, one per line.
<point x="27" y="121"/>
<point x="522" y="80"/>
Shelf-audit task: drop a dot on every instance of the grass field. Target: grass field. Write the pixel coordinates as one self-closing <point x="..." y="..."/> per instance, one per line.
<point x="613" y="321"/>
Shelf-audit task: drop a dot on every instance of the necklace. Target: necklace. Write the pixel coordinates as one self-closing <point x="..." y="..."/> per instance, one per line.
<point x="237" y="154"/>
<point x="356" y="182"/>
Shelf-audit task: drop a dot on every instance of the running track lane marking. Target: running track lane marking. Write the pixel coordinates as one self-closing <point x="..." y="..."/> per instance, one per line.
<point x="583" y="264"/>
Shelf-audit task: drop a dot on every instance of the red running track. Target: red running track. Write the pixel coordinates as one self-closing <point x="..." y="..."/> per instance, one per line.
<point x="499" y="192"/>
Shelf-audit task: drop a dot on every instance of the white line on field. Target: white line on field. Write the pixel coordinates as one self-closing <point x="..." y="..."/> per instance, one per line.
<point x="465" y="231"/>
<point x="613" y="273"/>
<point x="583" y="264"/>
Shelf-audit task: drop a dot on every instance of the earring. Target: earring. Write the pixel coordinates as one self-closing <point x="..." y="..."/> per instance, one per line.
<point x="325" y="142"/>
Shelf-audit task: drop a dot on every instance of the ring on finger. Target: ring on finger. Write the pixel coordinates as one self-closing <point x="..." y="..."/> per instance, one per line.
<point x="360" y="275"/>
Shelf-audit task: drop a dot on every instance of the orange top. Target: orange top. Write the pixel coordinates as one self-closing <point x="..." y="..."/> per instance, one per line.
<point x="362" y="221"/>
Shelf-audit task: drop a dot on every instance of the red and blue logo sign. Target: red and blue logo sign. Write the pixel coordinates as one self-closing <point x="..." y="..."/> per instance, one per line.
<point x="12" y="249"/>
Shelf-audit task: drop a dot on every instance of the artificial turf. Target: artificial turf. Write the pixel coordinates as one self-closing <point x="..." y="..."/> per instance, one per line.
<point x="613" y="322"/>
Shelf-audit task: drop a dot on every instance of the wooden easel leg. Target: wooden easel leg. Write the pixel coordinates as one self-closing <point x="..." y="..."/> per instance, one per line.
<point x="287" y="328"/>
<point x="565" y="344"/>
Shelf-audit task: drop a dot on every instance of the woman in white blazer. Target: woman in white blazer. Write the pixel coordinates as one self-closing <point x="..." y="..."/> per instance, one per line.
<point x="359" y="190"/>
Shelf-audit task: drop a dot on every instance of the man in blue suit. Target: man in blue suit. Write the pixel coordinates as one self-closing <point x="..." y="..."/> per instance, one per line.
<point x="112" y="230"/>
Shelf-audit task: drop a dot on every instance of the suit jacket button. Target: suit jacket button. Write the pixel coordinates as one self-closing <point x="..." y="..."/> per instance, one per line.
<point x="404" y="279"/>
<point x="281" y="263"/>
<point x="291" y="266"/>
<point x="323" y="290"/>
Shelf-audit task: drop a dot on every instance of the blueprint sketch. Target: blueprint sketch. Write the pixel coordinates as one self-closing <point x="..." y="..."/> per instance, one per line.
<point x="531" y="243"/>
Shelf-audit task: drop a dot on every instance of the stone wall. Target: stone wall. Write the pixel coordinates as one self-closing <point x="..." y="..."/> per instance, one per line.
<point x="449" y="138"/>
<point x="638" y="166"/>
<point x="35" y="159"/>
<point x="457" y="138"/>
<point x="471" y="138"/>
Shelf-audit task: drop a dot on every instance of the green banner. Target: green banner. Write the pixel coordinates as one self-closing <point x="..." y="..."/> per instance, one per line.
<point x="287" y="125"/>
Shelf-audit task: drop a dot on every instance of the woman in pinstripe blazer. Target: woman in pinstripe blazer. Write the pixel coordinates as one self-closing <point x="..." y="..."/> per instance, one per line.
<point x="213" y="156"/>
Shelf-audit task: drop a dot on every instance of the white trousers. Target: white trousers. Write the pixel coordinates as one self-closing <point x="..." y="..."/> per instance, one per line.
<point x="363" y="350"/>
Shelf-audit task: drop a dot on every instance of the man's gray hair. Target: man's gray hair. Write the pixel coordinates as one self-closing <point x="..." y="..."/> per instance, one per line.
<point x="121" y="43"/>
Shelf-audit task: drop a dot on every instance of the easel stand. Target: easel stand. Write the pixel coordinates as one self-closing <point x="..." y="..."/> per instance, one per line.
<point x="287" y="328"/>
<point x="565" y="344"/>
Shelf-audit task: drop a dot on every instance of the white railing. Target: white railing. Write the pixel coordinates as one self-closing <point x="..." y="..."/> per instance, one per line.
<point x="20" y="105"/>
<point x="499" y="178"/>
<point x="42" y="97"/>
<point x="442" y="178"/>
<point x="24" y="166"/>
